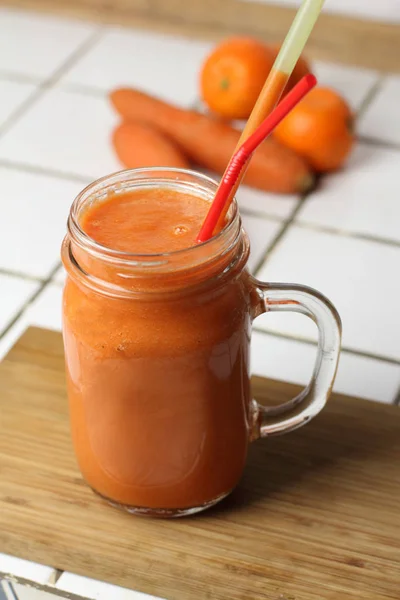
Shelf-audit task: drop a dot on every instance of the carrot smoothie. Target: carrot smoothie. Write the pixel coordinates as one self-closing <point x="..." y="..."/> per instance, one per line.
<point x="156" y="333"/>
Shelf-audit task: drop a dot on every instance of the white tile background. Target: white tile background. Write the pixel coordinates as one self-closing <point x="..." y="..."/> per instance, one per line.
<point x="116" y="62"/>
<point x="37" y="208"/>
<point x="55" y="124"/>
<point x="353" y="273"/>
<point x="363" y="200"/>
<point x="37" y="45"/>
<point x="80" y="123"/>
<point x="15" y="292"/>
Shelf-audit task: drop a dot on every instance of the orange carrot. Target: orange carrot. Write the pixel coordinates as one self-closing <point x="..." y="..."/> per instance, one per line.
<point x="210" y="143"/>
<point x="139" y="145"/>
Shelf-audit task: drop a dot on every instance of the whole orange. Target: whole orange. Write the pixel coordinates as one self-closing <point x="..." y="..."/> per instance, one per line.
<point x="233" y="75"/>
<point x="319" y="128"/>
<point x="301" y="68"/>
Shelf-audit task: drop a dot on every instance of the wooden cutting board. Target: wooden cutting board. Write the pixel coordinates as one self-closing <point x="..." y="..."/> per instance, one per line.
<point x="316" y="517"/>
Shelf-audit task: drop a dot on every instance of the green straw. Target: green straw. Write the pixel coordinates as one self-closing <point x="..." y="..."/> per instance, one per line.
<point x="298" y="35"/>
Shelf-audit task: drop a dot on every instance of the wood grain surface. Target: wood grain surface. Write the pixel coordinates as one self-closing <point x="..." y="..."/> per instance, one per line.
<point x="336" y="37"/>
<point x="316" y="516"/>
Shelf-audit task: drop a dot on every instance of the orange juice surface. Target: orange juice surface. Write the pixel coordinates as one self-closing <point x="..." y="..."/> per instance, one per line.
<point x="147" y="221"/>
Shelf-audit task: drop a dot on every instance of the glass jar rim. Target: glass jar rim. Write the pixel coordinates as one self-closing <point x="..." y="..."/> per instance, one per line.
<point x="139" y="175"/>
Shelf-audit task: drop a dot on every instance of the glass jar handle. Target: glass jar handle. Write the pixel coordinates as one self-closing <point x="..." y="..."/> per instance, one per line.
<point x="301" y="409"/>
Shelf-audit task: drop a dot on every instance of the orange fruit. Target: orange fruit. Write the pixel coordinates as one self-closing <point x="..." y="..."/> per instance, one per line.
<point x="233" y="75"/>
<point x="301" y="68"/>
<point x="319" y="128"/>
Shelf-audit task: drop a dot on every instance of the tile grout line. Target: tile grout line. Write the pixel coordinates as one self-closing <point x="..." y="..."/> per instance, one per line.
<point x="35" y="169"/>
<point x="370" y="96"/>
<point x="281" y="233"/>
<point x="348" y="234"/>
<point x="18" y="112"/>
<point x="9" y="590"/>
<point x="397" y="398"/>
<point x="27" y="276"/>
<point x="30" y="301"/>
<point x="267" y="216"/>
<point x="85" y="90"/>
<point x="346" y="349"/>
<point x="381" y="144"/>
<point x="57" y="575"/>
<point x="78" y="54"/>
<point x="323" y="228"/>
<point x="11" y="77"/>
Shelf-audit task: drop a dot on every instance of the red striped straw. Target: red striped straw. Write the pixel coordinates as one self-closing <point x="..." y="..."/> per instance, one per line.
<point x="240" y="159"/>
